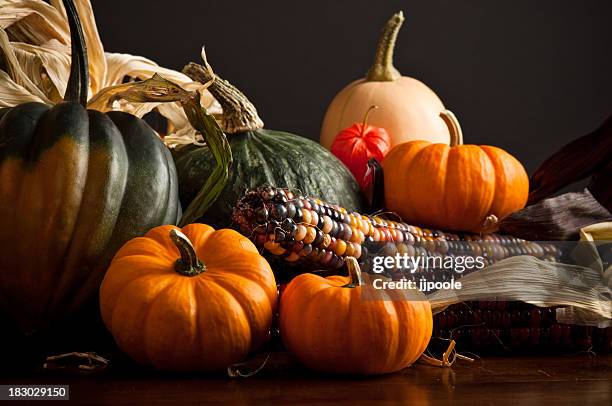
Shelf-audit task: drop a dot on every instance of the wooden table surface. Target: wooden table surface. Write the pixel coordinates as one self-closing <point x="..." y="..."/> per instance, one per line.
<point x="553" y="380"/>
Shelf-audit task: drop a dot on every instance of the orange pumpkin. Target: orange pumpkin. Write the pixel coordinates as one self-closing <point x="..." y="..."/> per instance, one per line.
<point x="409" y="110"/>
<point x="199" y="299"/>
<point x="457" y="187"/>
<point x="342" y="325"/>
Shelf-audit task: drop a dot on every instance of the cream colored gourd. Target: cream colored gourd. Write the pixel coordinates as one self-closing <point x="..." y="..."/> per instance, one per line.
<point x="409" y="110"/>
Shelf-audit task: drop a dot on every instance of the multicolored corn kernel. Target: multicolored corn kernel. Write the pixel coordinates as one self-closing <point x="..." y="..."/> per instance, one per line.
<point x="270" y="216"/>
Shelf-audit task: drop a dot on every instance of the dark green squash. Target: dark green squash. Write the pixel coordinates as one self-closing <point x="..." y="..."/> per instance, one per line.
<point x="75" y="184"/>
<point x="260" y="157"/>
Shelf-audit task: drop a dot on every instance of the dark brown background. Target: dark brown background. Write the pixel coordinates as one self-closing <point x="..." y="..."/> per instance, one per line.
<point x="525" y="75"/>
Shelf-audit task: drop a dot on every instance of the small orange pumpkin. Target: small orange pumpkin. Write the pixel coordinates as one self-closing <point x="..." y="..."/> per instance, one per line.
<point x="196" y="300"/>
<point x="342" y="325"/>
<point x="457" y="187"/>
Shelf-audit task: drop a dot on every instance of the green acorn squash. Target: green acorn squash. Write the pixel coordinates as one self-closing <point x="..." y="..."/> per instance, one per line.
<point x="75" y="185"/>
<point x="260" y="157"/>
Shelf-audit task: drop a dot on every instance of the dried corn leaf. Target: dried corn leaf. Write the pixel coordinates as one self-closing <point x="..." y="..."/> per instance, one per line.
<point x="180" y="132"/>
<point x="35" y="53"/>
<point x="156" y="89"/>
<point x="57" y="46"/>
<point x="185" y="135"/>
<point x="48" y="68"/>
<point x="56" y="28"/>
<point x="597" y="232"/>
<point x="545" y="284"/>
<point x="583" y="290"/>
<point x="575" y="315"/>
<point x="10" y="64"/>
<point x="556" y="218"/>
<point x="122" y="66"/>
<point x="33" y="22"/>
<point x="11" y="94"/>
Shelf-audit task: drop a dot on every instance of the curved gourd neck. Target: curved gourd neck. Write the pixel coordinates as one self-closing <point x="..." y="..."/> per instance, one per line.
<point x="454" y="128"/>
<point x="78" y="82"/>
<point x="239" y="114"/>
<point x="383" y="70"/>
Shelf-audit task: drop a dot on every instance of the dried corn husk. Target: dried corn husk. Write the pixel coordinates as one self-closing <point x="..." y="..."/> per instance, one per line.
<point x="575" y="315"/>
<point x="584" y="289"/>
<point x="33" y="22"/>
<point x="35" y="63"/>
<point x="544" y="284"/>
<point x="597" y="232"/>
<point x="577" y="160"/>
<point x="556" y="218"/>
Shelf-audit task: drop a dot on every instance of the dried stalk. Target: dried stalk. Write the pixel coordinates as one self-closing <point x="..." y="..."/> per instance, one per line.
<point x="35" y="64"/>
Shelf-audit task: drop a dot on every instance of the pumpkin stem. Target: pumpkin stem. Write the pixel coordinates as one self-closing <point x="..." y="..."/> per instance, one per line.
<point x="354" y="272"/>
<point x="383" y="69"/>
<point x="454" y="128"/>
<point x="188" y="264"/>
<point x="239" y="114"/>
<point x="78" y="82"/>
<point x="365" y="119"/>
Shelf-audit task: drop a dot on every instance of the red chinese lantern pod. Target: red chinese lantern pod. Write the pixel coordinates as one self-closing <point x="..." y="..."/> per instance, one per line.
<point x="359" y="143"/>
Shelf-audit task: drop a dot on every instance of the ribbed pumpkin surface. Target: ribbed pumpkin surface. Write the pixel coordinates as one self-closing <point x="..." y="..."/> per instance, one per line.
<point x="332" y="328"/>
<point x="203" y="320"/>
<point x="266" y="157"/>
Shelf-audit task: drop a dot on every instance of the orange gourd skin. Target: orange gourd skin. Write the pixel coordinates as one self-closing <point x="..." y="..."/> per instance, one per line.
<point x="175" y="322"/>
<point x="355" y="145"/>
<point x="333" y="329"/>
<point x="453" y="188"/>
